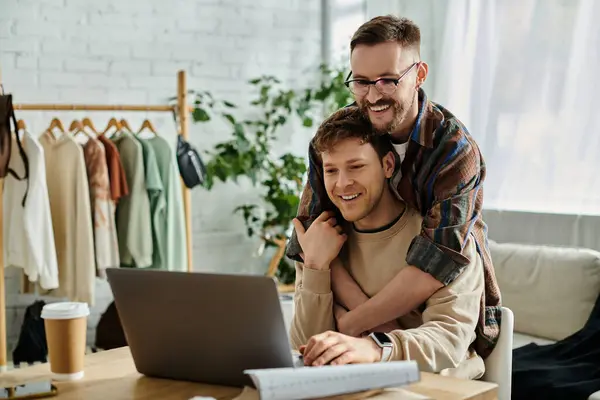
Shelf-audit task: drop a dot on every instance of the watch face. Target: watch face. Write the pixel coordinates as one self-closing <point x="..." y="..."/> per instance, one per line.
<point x="382" y="338"/>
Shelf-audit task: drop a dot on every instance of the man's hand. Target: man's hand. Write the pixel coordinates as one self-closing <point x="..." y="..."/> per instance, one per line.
<point x="321" y="242"/>
<point x="338" y="349"/>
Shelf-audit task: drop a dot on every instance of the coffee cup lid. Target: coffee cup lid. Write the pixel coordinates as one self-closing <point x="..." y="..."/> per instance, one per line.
<point x="65" y="310"/>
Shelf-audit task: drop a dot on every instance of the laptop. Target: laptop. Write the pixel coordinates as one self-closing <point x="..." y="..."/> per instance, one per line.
<point x="201" y="327"/>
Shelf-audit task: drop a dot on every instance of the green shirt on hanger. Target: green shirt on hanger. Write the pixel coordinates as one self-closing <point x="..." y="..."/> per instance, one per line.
<point x="156" y="196"/>
<point x="134" y="228"/>
<point x="173" y="232"/>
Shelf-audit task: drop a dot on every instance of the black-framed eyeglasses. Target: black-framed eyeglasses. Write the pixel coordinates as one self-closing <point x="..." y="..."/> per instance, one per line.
<point x="385" y="86"/>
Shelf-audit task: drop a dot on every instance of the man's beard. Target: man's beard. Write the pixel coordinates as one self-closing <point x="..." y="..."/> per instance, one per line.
<point x="400" y="111"/>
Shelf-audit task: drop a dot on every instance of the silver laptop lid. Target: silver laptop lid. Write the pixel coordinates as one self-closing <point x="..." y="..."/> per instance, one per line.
<point x="201" y="327"/>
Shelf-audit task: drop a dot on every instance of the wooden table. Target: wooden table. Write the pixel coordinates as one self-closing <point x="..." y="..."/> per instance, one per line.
<point x="112" y="375"/>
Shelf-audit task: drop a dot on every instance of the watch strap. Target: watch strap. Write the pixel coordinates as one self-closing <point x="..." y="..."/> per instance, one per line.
<point x="386" y="353"/>
<point x="386" y="348"/>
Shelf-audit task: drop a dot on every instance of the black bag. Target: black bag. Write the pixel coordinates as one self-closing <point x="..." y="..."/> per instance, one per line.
<point x="109" y="331"/>
<point x="32" y="346"/>
<point x="191" y="167"/>
<point x="7" y="116"/>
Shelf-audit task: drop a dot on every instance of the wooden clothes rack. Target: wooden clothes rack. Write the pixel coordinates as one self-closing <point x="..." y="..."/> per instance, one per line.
<point x="182" y="110"/>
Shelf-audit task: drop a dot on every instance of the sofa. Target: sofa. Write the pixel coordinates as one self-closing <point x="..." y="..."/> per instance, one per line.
<point x="551" y="290"/>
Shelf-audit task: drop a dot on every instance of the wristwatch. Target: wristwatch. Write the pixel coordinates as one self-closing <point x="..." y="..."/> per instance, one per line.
<point x="383" y="340"/>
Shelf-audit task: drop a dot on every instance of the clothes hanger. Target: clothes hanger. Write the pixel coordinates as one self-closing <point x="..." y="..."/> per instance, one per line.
<point x="21" y="129"/>
<point x="77" y="127"/>
<point x="147" y="125"/>
<point x="113" y="123"/>
<point x="125" y="125"/>
<point x="86" y="122"/>
<point x="21" y="126"/>
<point x="55" y="123"/>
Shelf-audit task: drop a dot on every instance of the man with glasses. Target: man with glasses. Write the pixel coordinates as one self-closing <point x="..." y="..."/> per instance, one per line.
<point x="439" y="173"/>
<point x="377" y="229"/>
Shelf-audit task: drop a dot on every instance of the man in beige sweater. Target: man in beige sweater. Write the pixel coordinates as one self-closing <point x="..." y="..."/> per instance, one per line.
<point x="347" y="263"/>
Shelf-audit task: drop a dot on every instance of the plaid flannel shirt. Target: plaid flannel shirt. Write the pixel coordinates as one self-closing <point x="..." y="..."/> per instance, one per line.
<point x="441" y="176"/>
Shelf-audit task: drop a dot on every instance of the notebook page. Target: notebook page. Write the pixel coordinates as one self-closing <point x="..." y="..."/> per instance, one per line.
<point x="311" y="382"/>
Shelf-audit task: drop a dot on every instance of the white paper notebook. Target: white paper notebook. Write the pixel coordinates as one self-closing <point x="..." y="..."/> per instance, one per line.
<point x="311" y="382"/>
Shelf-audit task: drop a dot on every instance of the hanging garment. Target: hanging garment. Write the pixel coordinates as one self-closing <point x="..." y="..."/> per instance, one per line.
<point x="31" y="346"/>
<point x="156" y="196"/>
<point x="568" y="369"/>
<point x="116" y="174"/>
<point x="7" y="117"/>
<point x="173" y="233"/>
<point x="134" y="229"/>
<point x="68" y="190"/>
<point x="109" y="331"/>
<point x="28" y="234"/>
<point x="103" y="211"/>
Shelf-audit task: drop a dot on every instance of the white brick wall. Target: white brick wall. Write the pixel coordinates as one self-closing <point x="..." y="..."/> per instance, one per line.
<point x="129" y="52"/>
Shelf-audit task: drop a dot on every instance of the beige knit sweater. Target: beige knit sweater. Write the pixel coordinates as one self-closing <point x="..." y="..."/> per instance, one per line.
<point x="69" y="195"/>
<point x="439" y="338"/>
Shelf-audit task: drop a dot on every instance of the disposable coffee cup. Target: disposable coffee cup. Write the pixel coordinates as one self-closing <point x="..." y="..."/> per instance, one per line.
<point x="66" y="328"/>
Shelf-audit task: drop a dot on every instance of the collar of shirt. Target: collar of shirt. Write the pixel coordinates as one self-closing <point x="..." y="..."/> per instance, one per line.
<point x="429" y="118"/>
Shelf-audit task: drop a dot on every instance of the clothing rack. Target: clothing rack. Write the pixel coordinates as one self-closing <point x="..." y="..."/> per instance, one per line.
<point x="181" y="110"/>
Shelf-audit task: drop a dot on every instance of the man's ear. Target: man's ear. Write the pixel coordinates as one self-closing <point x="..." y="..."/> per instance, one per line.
<point x="422" y="71"/>
<point x="389" y="164"/>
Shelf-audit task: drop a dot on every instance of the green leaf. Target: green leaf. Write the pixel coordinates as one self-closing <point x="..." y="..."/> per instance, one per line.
<point x="308" y="122"/>
<point x="252" y="176"/>
<point x="208" y="182"/>
<point x="238" y="131"/>
<point x="308" y="95"/>
<point x="228" y="104"/>
<point x="220" y="173"/>
<point x="230" y="118"/>
<point x="264" y="91"/>
<point x="200" y="115"/>
<point x="322" y="94"/>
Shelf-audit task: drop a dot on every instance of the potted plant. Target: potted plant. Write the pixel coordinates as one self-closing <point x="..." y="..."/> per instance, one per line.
<point x="249" y="153"/>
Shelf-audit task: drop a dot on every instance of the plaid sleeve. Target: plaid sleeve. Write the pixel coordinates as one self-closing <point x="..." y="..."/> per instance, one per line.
<point x="293" y="248"/>
<point x="452" y="198"/>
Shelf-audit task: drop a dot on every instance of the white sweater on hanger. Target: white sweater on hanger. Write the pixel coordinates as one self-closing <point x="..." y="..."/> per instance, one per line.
<point x="28" y="235"/>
